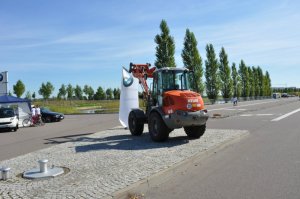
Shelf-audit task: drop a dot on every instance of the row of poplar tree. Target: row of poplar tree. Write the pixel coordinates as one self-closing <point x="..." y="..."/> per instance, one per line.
<point x="220" y="77"/>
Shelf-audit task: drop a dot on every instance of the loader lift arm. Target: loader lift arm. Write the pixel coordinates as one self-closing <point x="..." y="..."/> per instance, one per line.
<point x="142" y="72"/>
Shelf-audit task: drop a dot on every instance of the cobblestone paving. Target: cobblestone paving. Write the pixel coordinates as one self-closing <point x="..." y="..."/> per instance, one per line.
<point x="105" y="162"/>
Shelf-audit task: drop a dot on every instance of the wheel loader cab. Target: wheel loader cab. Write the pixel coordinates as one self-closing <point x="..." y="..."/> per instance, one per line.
<point x="170" y="79"/>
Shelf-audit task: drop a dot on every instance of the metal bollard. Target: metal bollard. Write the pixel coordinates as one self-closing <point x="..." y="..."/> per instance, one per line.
<point x="5" y="173"/>
<point x="43" y="166"/>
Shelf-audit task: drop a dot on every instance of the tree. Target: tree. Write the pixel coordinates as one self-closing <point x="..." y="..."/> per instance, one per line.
<point x="88" y="91"/>
<point x="78" y="92"/>
<point x="260" y="76"/>
<point x="109" y="93"/>
<point x="251" y="82"/>
<point x="255" y="81"/>
<point x="9" y="93"/>
<point x="117" y="93"/>
<point x="165" y="49"/>
<point x="99" y="95"/>
<point x="225" y="72"/>
<point x="19" y="88"/>
<point x="46" y="90"/>
<point x="235" y="81"/>
<point x="70" y="91"/>
<point x="211" y="69"/>
<point x="192" y="59"/>
<point x="28" y="95"/>
<point x="243" y="71"/>
<point x="268" y="89"/>
<point x="33" y="95"/>
<point x="62" y="92"/>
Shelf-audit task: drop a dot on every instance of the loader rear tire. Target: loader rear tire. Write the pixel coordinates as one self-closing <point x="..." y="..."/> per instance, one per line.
<point x="158" y="130"/>
<point x="195" y="132"/>
<point x="136" y="126"/>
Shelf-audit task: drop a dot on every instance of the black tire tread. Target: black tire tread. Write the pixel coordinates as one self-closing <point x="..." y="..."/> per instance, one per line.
<point x="195" y="132"/>
<point x="163" y="131"/>
<point x="136" y="126"/>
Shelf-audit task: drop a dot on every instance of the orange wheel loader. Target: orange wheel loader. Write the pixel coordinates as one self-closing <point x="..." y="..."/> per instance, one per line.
<point x="172" y="102"/>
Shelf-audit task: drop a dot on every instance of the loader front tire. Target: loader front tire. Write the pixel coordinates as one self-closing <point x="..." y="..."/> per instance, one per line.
<point x="158" y="130"/>
<point x="195" y="132"/>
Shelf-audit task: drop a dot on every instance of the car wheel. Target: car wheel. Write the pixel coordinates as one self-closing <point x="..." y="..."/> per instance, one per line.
<point x="47" y="119"/>
<point x="15" y="129"/>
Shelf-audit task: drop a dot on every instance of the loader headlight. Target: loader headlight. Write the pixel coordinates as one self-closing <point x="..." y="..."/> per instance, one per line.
<point x="189" y="106"/>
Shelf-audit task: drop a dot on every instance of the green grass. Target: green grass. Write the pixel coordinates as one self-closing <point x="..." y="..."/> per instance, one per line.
<point x="75" y="106"/>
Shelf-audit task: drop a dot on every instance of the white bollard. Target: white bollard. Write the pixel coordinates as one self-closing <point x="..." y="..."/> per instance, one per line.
<point x="43" y="171"/>
<point x="5" y="173"/>
<point x="43" y="166"/>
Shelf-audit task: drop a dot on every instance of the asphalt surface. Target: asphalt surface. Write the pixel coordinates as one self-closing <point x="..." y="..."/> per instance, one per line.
<point x="264" y="165"/>
<point x="103" y="164"/>
<point x="29" y="139"/>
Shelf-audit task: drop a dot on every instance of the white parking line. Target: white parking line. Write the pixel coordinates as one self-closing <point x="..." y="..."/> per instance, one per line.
<point x="285" y="115"/>
<point x="249" y="115"/>
<point x="266" y="114"/>
<point x="241" y="106"/>
<point x="232" y="109"/>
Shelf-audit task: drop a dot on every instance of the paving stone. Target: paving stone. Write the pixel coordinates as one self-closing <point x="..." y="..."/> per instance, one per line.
<point x="105" y="162"/>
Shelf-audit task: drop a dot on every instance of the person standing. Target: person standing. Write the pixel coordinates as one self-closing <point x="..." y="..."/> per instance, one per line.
<point x="38" y="113"/>
<point x="38" y="110"/>
<point x="33" y="111"/>
<point x="235" y="100"/>
<point x="33" y="114"/>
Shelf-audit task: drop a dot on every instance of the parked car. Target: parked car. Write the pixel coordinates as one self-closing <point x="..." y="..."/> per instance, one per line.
<point x="50" y="116"/>
<point x="8" y="119"/>
<point x="284" y="95"/>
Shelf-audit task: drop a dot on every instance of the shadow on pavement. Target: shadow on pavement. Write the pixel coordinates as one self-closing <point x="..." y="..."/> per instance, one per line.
<point x="67" y="138"/>
<point x="128" y="142"/>
<point x="4" y="130"/>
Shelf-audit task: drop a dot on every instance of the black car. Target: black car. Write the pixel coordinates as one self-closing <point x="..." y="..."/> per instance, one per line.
<point x="49" y="116"/>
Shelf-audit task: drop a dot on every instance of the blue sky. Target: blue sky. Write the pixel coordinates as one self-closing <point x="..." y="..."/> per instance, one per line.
<point x="87" y="42"/>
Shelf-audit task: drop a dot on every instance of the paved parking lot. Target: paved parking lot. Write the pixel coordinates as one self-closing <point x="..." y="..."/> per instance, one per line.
<point x="108" y="162"/>
<point x="26" y="140"/>
<point x="104" y="163"/>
